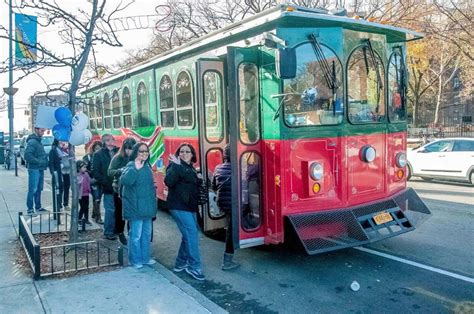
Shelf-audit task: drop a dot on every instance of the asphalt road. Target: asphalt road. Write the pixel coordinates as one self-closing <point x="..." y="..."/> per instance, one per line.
<point x="278" y="279"/>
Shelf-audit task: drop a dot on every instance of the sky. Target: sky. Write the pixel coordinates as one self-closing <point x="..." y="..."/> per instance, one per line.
<point x="131" y="40"/>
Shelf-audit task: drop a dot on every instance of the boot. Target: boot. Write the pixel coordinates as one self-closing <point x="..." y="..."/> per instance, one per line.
<point x="227" y="263"/>
<point x="96" y="212"/>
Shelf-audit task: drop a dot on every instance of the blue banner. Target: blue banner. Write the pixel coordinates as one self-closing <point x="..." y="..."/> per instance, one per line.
<point x="25" y="39"/>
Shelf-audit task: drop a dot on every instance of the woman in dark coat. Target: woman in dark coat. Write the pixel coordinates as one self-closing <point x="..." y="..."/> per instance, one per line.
<point x="58" y="163"/>
<point x="96" y="191"/>
<point x="139" y="204"/>
<point x="117" y="164"/>
<point x="183" y="186"/>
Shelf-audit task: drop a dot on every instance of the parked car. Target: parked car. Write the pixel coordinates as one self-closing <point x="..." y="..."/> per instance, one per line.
<point x="446" y="159"/>
<point x="46" y="140"/>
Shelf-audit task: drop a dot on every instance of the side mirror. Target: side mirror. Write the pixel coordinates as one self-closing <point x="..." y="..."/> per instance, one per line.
<point x="285" y="61"/>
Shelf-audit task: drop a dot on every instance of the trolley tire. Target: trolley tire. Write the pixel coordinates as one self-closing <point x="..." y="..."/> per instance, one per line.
<point x="409" y="172"/>
<point x="471" y="177"/>
<point x="427" y="179"/>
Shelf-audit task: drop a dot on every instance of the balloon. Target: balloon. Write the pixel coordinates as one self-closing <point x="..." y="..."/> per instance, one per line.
<point x="77" y="137"/>
<point x="87" y="136"/>
<point x="80" y="121"/>
<point x="61" y="133"/>
<point x="64" y="116"/>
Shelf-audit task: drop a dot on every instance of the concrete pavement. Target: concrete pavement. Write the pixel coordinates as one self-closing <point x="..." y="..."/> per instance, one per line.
<point x="127" y="290"/>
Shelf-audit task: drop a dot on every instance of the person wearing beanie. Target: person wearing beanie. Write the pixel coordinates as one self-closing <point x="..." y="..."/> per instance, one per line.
<point x="221" y="183"/>
<point x="84" y="189"/>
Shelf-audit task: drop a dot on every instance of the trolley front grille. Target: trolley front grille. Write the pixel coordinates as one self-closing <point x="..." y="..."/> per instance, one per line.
<point x="337" y="229"/>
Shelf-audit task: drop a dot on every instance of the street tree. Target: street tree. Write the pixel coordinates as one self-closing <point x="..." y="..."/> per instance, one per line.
<point x="81" y="28"/>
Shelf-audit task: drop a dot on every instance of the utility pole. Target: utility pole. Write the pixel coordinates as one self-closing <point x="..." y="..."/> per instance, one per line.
<point x="10" y="91"/>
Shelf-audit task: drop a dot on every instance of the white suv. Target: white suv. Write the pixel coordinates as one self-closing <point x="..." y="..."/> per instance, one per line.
<point x="447" y="159"/>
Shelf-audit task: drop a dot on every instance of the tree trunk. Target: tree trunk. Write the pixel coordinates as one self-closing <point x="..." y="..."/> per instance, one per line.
<point x="74" y="201"/>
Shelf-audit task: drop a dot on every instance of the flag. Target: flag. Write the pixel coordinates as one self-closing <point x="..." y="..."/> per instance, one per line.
<point x="25" y="39"/>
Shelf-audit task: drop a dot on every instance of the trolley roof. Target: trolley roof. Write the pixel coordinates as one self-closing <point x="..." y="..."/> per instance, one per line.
<point x="284" y="16"/>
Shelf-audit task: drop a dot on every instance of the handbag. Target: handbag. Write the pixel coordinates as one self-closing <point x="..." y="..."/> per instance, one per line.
<point x="203" y="194"/>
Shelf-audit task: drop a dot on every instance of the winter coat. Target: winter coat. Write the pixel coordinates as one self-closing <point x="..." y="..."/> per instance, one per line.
<point x="138" y="192"/>
<point x="35" y="156"/>
<point x="83" y="184"/>
<point x="183" y="187"/>
<point x="56" y="162"/>
<point x="115" y="170"/>
<point x="100" y="167"/>
<point x="221" y="183"/>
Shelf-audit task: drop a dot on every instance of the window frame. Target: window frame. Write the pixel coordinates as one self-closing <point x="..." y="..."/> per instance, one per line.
<point x="109" y="109"/>
<point x="99" y="113"/>
<point x="173" y="101"/>
<point x="342" y="85"/>
<point x="384" y="90"/>
<point x="126" y="114"/>
<point x="388" y="104"/>
<point x="116" y="93"/>
<point x="139" y="115"/>
<point x="259" y="118"/>
<point x="220" y="112"/>
<point x="193" y="103"/>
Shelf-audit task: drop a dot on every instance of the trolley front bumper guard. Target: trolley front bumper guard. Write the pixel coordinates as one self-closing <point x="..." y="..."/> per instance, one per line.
<point x="337" y="229"/>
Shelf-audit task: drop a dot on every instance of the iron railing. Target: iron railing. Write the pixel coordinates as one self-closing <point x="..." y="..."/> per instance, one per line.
<point x="62" y="258"/>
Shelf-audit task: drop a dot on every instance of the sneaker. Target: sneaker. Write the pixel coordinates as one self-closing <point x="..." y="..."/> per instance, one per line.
<point x="67" y="208"/>
<point x="99" y="221"/>
<point x="178" y="269"/>
<point x="150" y="262"/>
<point x="123" y="239"/>
<point x="88" y="223"/>
<point x="196" y="274"/>
<point x="41" y="209"/>
<point x="110" y="237"/>
<point x="137" y="266"/>
<point x="32" y="213"/>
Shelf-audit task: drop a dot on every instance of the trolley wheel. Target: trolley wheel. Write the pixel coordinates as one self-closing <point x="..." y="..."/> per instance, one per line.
<point x="409" y="172"/>
<point x="471" y="177"/>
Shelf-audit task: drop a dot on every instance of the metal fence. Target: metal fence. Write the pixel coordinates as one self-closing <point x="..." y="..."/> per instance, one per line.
<point x="445" y="131"/>
<point x="62" y="258"/>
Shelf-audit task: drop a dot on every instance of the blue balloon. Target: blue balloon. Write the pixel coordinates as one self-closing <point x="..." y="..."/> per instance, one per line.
<point x="64" y="116"/>
<point x="61" y="133"/>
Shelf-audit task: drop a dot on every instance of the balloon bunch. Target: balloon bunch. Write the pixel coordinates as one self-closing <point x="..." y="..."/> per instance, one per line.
<point x="71" y="129"/>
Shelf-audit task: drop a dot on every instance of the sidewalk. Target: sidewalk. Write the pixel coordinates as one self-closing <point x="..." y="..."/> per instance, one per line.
<point x="126" y="290"/>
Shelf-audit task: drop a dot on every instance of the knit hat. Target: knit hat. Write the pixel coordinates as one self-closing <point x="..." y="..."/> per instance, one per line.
<point x="227" y="152"/>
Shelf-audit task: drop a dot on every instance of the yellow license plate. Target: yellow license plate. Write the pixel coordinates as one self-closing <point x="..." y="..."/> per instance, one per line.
<point x="382" y="218"/>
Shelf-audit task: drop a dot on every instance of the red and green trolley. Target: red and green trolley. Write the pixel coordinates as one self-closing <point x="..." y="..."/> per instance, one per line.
<point x="314" y="108"/>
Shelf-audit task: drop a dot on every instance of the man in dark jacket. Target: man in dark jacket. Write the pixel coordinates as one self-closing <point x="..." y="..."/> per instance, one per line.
<point x="221" y="183"/>
<point x="36" y="162"/>
<point x="100" y="165"/>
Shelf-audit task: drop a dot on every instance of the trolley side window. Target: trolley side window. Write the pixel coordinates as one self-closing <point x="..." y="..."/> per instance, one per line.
<point x="315" y="95"/>
<point x="249" y="103"/>
<point x="107" y="112"/>
<point x="116" y="109"/>
<point x="184" y="100"/>
<point x="250" y="169"/>
<point x="212" y="84"/>
<point x="99" y="112"/>
<point x="92" y="119"/>
<point x="166" y="102"/>
<point x="396" y="88"/>
<point x="365" y="79"/>
<point x="143" y="105"/>
<point x="126" y="108"/>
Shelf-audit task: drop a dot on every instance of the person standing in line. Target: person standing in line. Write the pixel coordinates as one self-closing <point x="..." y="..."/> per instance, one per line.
<point x="119" y="161"/>
<point x="221" y="183"/>
<point x="58" y="163"/>
<point x="183" y="186"/>
<point x="100" y="166"/>
<point x="84" y="189"/>
<point x="95" y="188"/>
<point x="36" y="162"/>
<point x="138" y="195"/>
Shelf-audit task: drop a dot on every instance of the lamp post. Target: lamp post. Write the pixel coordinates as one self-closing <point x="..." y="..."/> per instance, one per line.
<point x="10" y="90"/>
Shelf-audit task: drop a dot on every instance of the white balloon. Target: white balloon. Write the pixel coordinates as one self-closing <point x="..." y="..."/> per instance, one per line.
<point x="77" y="137"/>
<point x="87" y="136"/>
<point x="80" y="121"/>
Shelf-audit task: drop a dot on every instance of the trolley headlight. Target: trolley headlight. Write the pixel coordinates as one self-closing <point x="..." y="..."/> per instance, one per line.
<point x="367" y="153"/>
<point x="316" y="171"/>
<point x="401" y="160"/>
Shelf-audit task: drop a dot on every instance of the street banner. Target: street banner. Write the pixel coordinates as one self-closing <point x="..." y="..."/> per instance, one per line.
<point x="25" y="39"/>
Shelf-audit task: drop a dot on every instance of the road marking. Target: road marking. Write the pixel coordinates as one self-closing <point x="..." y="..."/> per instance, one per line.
<point x="419" y="265"/>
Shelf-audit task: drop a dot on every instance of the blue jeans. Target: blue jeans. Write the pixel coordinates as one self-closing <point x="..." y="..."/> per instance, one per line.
<point x="109" y="219"/>
<point x="35" y="186"/>
<point x="189" y="249"/>
<point x="139" y="241"/>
